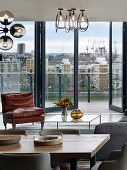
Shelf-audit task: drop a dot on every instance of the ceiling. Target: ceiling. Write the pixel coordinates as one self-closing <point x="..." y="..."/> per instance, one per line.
<point x="45" y="10"/>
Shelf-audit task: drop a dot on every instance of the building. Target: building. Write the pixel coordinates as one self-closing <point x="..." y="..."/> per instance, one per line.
<point x="21" y="48"/>
<point x="100" y="77"/>
<point x="30" y="65"/>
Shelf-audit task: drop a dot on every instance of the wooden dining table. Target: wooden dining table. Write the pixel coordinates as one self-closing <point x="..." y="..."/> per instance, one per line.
<point x="73" y="146"/>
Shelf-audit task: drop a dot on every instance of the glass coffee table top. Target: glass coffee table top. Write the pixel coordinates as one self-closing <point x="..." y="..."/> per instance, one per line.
<point x="68" y="119"/>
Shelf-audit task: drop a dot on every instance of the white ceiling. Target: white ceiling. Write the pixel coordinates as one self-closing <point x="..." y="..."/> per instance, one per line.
<point x="45" y="10"/>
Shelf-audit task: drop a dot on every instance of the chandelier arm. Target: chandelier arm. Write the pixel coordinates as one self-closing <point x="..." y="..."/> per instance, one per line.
<point x="1" y="32"/>
<point x="56" y="30"/>
<point x="56" y="23"/>
<point x="67" y="30"/>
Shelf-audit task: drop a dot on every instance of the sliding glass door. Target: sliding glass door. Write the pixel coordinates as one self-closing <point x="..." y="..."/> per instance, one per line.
<point x="59" y="65"/>
<point x="93" y="63"/>
<point x="116" y="66"/>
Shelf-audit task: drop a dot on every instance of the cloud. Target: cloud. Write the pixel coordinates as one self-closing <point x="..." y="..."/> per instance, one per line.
<point x="96" y="35"/>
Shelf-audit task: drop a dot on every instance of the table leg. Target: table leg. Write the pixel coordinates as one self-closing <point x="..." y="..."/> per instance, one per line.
<point x="73" y="164"/>
<point x="57" y="125"/>
<point x="92" y="161"/>
<point x="89" y="125"/>
<point x="100" y="119"/>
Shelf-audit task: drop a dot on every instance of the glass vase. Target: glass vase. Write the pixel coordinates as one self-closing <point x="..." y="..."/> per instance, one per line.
<point x="64" y="111"/>
<point x="64" y="114"/>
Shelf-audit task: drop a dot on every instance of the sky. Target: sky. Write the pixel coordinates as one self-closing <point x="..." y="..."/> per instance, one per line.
<point x="96" y="35"/>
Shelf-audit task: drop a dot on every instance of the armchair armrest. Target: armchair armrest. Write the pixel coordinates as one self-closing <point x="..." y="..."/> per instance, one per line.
<point x="114" y="155"/>
<point x="119" y="164"/>
<point x="109" y="165"/>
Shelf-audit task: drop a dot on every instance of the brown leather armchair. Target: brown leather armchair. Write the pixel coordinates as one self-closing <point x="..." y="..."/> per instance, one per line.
<point x="19" y="108"/>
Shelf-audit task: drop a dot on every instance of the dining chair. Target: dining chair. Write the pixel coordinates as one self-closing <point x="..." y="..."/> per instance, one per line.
<point x="117" y="160"/>
<point x="25" y="161"/>
<point x="13" y="132"/>
<point x="64" y="131"/>
<point x="56" y="159"/>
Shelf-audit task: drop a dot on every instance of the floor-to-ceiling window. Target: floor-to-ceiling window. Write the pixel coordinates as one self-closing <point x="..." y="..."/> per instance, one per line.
<point x="116" y="66"/>
<point x="17" y="64"/>
<point x="93" y="63"/>
<point x="59" y="64"/>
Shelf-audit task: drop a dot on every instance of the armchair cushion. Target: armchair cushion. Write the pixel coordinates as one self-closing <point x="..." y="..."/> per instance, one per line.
<point x="16" y="100"/>
<point x="23" y="112"/>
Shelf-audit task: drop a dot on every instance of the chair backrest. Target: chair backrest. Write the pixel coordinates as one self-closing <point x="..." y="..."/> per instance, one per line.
<point x="13" y="132"/>
<point x="118" y="137"/>
<point x="25" y="161"/>
<point x="64" y="131"/>
<point x="121" y="162"/>
<point x="13" y="101"/>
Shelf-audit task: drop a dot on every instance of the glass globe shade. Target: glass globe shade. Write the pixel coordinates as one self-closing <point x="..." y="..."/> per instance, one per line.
<point x="6" y="17"/>
<point x="17" y="30"/>
<point x="6" y="43"/>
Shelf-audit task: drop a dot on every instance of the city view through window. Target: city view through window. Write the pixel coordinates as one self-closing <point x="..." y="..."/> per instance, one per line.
<point x="17" y="64"/>
<point x="93" y="62"/>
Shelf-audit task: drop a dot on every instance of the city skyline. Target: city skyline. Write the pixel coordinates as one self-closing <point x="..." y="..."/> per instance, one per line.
<point x="62" y="42"/>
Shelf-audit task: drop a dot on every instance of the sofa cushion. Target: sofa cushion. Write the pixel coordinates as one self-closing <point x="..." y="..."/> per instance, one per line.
<point x="24" y="112"/>
<point x="123" y="119"/>
<point x="16" y="100"/>
<point x="125" y="112"/>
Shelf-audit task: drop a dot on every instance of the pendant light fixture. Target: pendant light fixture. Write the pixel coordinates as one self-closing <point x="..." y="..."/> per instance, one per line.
<point x="71" y="22"/>
<point x="83" y="22"/>
<point x="16" y="30"/>
<point x="60" y="20"/>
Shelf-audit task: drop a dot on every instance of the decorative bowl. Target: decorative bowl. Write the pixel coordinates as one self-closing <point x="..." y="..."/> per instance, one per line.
<point x="48" y="140"/>
<point x="76" y="114"/>
<point x="9" y="139"/>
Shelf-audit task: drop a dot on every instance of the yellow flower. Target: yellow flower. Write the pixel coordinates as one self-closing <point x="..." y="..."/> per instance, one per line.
<point x="64" y="102"/>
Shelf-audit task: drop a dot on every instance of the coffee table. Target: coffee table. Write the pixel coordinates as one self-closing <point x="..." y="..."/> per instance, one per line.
<point x="68" y="119"/>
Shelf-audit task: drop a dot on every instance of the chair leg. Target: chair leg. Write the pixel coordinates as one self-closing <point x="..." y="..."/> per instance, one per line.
<point x="5" y="125"/>
<point x="42" y="124"/>
<point x="64" y="167"/>
<point x="13" y="125"/>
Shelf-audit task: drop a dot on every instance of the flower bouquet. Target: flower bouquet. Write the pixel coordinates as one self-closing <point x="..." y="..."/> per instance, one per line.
<point x="64" y="103"/>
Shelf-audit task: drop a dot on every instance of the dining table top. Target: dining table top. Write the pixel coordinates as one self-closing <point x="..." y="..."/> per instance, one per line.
<point x="83" y="145"/>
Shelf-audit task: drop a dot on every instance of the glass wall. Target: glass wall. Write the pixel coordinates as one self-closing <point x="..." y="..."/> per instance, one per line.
<point x="93" y="62"/>
<point x="17" y="64"/>
<point x="117" y="63"/>
<point x="59" y="65"/>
